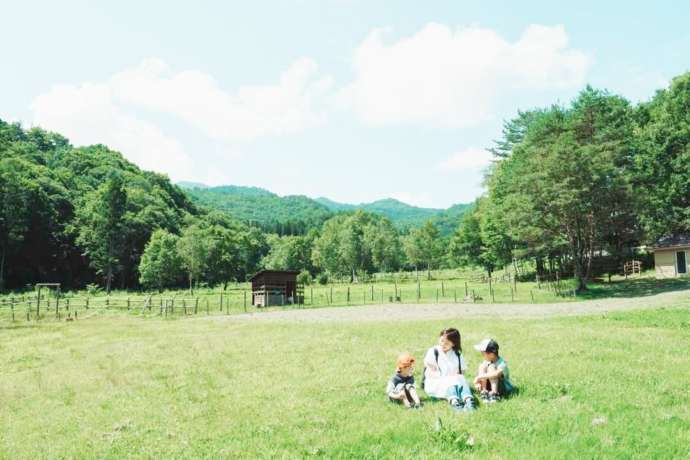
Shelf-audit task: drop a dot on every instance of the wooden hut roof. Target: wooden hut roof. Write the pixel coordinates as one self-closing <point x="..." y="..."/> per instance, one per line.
<point x="273" y="272"/>
<point x="672" y="241"/>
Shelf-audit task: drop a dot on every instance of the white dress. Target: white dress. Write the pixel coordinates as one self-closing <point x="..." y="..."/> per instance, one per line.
<point x="436" y="385"/>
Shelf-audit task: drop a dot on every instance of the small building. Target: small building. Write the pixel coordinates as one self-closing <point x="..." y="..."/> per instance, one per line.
<point x="671" y="256"/>
<point x="276" y="287"/>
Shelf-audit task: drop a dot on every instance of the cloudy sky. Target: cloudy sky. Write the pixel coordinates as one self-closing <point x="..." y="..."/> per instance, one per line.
<point x="353" y="100"/>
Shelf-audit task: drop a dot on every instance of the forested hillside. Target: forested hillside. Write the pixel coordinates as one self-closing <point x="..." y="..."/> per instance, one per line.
<point x="289" y="215"/>
<point x="296" y="215"/>
<point x="84" y="215"/>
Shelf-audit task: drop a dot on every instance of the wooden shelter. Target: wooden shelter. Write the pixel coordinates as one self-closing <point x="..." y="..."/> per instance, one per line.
<point x="671" y="256"/>
<point x="276" y="287"/>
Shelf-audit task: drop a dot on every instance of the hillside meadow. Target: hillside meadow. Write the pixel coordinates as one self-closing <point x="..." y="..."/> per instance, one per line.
<point x="111" y="386"/>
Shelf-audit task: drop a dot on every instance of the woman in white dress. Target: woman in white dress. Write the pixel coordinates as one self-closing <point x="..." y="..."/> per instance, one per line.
<point x="444" y="369"/>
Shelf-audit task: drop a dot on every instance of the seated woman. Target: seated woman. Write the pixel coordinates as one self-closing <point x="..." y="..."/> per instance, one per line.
<point x="444" y="368"/>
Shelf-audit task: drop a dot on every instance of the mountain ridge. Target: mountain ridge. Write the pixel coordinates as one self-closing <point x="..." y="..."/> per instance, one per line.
<point x="300" y="212"/>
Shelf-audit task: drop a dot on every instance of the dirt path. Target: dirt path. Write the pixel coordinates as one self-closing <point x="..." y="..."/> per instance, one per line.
<point x="411" y="312"/>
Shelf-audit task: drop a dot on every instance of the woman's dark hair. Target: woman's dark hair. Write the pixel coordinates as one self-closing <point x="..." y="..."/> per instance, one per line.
<point x="453" y="336"/>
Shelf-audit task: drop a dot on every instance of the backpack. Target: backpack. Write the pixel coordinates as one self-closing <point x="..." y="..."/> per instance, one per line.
<point x="436" y="358"/>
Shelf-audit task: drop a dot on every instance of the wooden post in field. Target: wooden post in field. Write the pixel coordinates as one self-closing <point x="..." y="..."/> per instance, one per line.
<point x="348" y="295"/>
<point x="473" y="296"/>
<point x="184" y="307"/>
<point x="466" y="292"/>
<point x="443" y="290"/>
<point x="381" y="295"/>
<point x="330" y="302"/>
<point x="372" y="292"/>
<point x="28" y="309"/>
<point x="531" y="294"/>
<point x="311" y="296"/>
<point x="221" y="302"/>
<point x="87" y="303"/>
<point x="107" y="301"/>
<point x="512" y="295"/>
<point x="127" y="303"/>
<point x="207" y="310"/>
<point x="12" y="308"/>
<point x="436" y="295"/>
<point x="196" y="306"/>
<point x="515" y="282"/>
<point x="364" y="296"/>
<point x="38" y="303"/>
<point x="491" y="289"/>
<point x="244" y="300"/>
<point x="538" y="282"/>
<point x="493" y="299"/>
<point x="395" y="286"/>
<point x="172" y="306"/>
<point x="455" y="295"/>
<point x="419" y="290"/>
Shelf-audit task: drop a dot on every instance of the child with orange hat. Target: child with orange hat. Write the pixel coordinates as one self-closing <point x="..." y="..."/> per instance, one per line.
<point x="401" y="387"/>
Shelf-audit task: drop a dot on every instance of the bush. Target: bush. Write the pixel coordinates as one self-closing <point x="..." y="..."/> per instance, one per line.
<point x="304" y="278"/>
<point x="93" y="289"/>
<point x="322" y="278"/>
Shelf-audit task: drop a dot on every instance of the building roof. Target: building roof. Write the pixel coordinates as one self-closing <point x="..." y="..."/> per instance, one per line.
<point x="274" y="272"/>
<point x="672" y="241"/>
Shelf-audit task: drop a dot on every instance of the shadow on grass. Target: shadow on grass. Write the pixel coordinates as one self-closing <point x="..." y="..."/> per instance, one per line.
<point x="634" y="287"/>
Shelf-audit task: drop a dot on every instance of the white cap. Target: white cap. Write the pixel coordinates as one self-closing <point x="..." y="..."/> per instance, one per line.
<point x="489" y="345"/>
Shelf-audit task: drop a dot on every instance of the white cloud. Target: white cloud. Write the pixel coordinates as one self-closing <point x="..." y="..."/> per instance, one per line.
<point x="87" y="114"/>
<point x="250" y="112"/>
<point x="121" y="111"/>
<point x="455" y="77"/>
<point x="468" y="159"/>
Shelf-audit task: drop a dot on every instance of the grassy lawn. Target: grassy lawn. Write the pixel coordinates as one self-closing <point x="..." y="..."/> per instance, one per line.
<point x="112" y="386"/>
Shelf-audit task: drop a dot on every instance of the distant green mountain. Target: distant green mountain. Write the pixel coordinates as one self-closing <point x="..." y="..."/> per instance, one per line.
<point x="296" y="214"/>
<point x="283" y="215"/>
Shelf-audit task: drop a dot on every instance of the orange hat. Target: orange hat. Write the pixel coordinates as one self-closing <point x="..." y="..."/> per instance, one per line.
<point x="405" y="360"/>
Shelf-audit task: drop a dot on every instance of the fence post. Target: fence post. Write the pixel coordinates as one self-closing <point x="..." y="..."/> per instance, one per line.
<point x="87" y="303"/>
<point x="12" y="307"/>
<point x="466" y="292"/>
<point x="512" y="295"/>
<point x="221" y="301"/>
<point x="244" y="300"/>
<point x="348" y="295"/>
<point x="372" y="292"/>
<point x="443" y="290"/>
<point x="419" y="290"/>
<point x="196" y="306"/>
<point x="531" y="294"/>
<point x="330" y="302"/>
<point x="311" y="296"/>
<point x="436" y="295"/>
<point x="455" y="295"/>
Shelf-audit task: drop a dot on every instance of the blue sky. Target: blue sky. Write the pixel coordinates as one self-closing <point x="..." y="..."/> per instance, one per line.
<point x="353" y="100"/>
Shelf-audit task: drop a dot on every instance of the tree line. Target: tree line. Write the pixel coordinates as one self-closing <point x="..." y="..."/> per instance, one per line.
<point x="568" y="183"/>
<point x="599" y="176"/>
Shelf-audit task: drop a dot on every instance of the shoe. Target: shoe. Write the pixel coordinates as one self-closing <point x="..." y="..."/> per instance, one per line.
<point x="469" y="405"/>
<point x="417" y="406"/>
<point x="484" y="396"/>
<point x="494" y="398"/>
<point x="455" y="404"/>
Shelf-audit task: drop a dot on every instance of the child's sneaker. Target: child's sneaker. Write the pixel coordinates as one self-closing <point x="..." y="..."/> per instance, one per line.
<point x="484" y="396"/>
<point x="494" y="398"/>
<point x="469" y="405"/>
<point x="455" y="404"/>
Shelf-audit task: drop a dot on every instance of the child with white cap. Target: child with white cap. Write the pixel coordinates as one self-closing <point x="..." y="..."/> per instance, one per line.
<point x="493" y="377"/>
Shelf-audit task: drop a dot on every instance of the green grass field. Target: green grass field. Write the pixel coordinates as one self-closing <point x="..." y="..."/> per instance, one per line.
<point x="112" y="386"/>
